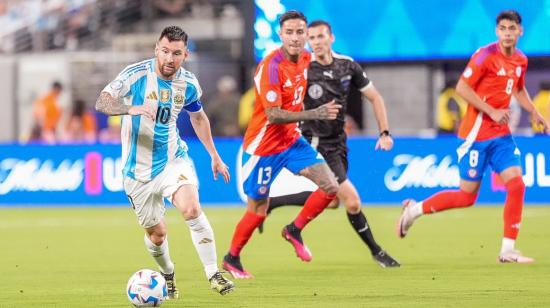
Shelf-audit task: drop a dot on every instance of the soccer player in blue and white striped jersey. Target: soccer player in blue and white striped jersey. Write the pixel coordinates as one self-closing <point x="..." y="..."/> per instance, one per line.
<point x="150" y="95"/>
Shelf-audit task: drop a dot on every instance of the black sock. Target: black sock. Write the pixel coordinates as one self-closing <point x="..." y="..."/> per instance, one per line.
<point x="359" y="223"/>
<point x="298" y="199"/>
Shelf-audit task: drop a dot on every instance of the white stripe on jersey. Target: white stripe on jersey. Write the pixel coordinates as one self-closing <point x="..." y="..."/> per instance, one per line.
<point x="256" y="142"/>
<point x="465" y="147"/>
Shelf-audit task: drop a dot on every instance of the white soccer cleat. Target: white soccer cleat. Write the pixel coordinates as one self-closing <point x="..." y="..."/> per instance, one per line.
<point x="407" y="218"/>
<point x="514" y="256"/>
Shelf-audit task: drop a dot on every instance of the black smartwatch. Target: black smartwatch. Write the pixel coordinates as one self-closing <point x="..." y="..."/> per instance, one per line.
<point x="385" y="133"/>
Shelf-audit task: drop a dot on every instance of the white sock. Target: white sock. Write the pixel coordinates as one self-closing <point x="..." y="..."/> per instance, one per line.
<point x="416" y="210"/>
<point x="507" y="244"/>
<point x="161" y="254"/>
<point x="202" y="236"/>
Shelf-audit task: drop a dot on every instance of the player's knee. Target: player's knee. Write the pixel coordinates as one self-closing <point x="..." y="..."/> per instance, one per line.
<point x="331" y="187"/>
<point x="353" y="205"/>
<point x="191" y="212"/>
<point x="158" y="238"/>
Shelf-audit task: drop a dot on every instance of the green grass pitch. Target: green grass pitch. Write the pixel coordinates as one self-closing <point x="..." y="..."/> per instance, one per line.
<point x="67" y="257"/>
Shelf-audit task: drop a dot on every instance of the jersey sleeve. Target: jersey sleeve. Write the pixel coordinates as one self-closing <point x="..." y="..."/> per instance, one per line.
<point x="268" y="85"/>
<point x="521" y="80"/>
<point x="193" y="91"/>
<point x="476" y="68"/>
<point x="121" y="86"/>
<point x="359" y="77"/>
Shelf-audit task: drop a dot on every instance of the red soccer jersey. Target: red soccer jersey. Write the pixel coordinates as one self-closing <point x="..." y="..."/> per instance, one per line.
<point x="494" y="77"/>
<point x="278" y="82"/>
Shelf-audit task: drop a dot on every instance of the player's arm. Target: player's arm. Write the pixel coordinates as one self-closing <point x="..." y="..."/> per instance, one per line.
<point x="328" y="111"/>
<point x="525" y="101"/>
<point x="201" y="125"/>
<point x="110" y="100"/>
<point x="385" y="141"/>
<point x="113" y="106"/>
<point x="463" y="89"/>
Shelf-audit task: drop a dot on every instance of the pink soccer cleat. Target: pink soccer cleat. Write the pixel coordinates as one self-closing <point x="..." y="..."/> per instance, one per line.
<point x="233" y="265"/>
<point x="295" y="239"/>
<point x="406" y="219"/>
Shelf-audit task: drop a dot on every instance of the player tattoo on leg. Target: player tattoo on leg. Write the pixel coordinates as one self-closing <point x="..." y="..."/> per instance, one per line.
<point x="321" y="175"/>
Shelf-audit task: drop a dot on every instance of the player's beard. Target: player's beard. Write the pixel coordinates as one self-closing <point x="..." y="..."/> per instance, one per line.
<point x="167" y="71"/>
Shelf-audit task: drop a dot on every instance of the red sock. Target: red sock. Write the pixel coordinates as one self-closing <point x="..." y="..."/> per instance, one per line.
<point x="314" y="205"/>
<point x="515" y="193"/>
<point x="448" y="199"/>
<point x="244" y="230"/>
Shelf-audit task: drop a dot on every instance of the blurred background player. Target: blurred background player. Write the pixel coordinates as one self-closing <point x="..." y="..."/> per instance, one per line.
<point x="451" y="109"/>
<point x="47" y="113"/>
<point x="542" y="104"/>
<point x="494" y="73"/>
<point x="272" y="142"/>
<point x="155" y="159"/>
<point x="330" y="77"/>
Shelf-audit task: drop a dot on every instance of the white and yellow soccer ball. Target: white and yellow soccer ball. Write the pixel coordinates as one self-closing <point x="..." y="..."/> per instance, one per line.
<point x="146" y="288"/>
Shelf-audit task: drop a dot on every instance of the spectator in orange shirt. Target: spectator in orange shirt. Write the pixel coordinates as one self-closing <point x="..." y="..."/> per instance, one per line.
<point x="47" y="112"/>
<point x="81" y="125"/>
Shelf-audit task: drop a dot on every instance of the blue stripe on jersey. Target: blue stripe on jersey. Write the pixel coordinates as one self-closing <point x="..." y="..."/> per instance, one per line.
<point x="138" y="90"/>
<point x="160" y="139"/>
<point x="193" y="107"/>
<point x="191" y="94"/>
<point x="135" y="67"/>
<point x="130" y="166"/>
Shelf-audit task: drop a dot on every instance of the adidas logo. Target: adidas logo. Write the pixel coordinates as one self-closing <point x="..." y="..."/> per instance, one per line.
<point x="182" y="178"/>
<point x="205" y="241"/>
<point x="288" y="83"/>
<point x="501" y="72"/>
<point x="152" y="95"/>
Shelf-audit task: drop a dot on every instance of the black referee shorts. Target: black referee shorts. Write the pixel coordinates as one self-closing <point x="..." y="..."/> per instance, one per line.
<point x="335" y="154"/>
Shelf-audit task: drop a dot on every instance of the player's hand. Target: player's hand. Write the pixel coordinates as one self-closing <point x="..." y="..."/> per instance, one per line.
<point x="328" y="111"/>
<point x="146" y="110"/>
<point x="384" y="143"/>
<point x="501" y="116"/>
<point x="537" y="118"/>
<point x="218" y="166"/>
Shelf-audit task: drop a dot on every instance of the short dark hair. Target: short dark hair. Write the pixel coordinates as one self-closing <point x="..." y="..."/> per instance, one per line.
<point x="318" y="22"/>
<point x="57" y="85"/>
<point x="509" y="15"/>
<point x="292" y="14"/>
<point x="174" y="33"/>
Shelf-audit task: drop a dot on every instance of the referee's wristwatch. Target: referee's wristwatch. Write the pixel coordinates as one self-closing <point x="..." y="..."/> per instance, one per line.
<point x="385" y="133"/>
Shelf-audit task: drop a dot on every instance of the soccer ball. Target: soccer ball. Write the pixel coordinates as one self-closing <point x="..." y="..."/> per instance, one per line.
<point x="146" y="288"/>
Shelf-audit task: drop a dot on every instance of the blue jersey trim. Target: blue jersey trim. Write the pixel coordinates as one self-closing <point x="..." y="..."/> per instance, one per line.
<point x="193" y="107"/>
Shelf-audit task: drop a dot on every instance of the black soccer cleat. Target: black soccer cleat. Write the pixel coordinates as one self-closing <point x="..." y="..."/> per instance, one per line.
<point x="220" y="284"/>
<point x="385" y="260"/>
<point x="173" y="292"/>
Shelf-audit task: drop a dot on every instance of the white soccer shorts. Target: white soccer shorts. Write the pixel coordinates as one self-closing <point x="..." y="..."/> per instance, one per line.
<point x="147" y="199"/>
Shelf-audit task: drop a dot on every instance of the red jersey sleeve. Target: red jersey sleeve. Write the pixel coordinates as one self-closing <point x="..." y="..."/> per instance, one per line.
<point x="268" y="87"/>
<point x="476" y="68"/>
<point x="521" y="80"/>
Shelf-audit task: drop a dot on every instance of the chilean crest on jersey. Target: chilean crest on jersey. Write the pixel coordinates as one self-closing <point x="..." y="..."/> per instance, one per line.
<point x="518" y="71"/>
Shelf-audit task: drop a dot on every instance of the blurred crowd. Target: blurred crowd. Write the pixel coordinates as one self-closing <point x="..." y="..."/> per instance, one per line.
<point x="39" y="25"/>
